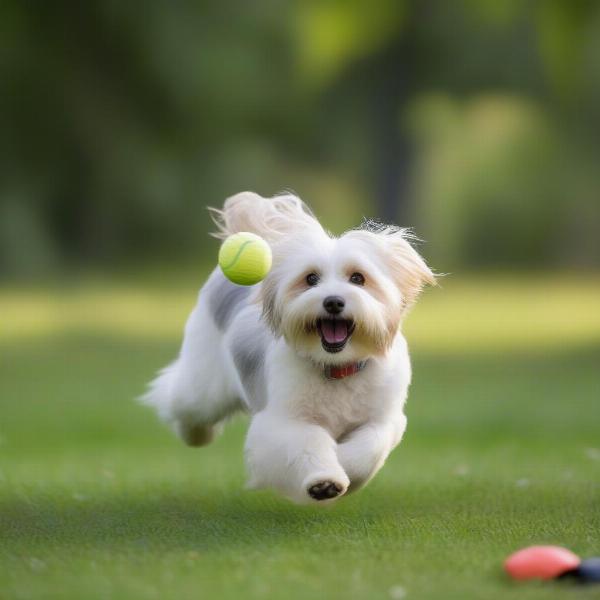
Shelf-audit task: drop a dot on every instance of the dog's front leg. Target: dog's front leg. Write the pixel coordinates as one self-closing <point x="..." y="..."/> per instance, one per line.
<point x="365" y="450"/>
<point x="297" y="458"/>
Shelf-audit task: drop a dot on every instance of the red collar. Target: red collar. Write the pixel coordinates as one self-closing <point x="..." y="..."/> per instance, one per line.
<point x="341" y="371"/>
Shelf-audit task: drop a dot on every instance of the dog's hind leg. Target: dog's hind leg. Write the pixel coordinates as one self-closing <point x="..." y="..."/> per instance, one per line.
<point x="195" y="434"/>
<point x="195" y="394"/>
<point x="193" y="414"/>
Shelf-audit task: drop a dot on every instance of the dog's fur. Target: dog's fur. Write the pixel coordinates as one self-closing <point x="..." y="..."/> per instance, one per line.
<point x="260" y="349"/>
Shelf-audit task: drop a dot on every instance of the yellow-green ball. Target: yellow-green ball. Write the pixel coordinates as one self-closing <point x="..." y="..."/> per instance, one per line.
<point x="245" y="258"/>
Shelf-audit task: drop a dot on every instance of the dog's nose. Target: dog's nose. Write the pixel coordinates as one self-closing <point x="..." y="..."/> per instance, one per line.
<point x="334" y="304"/>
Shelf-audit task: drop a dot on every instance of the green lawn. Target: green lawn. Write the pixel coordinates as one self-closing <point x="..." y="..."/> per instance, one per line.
<point x="98" y="500"/>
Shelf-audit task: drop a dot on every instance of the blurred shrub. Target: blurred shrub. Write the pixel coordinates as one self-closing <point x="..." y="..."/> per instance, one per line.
<point x="498" y="186"/>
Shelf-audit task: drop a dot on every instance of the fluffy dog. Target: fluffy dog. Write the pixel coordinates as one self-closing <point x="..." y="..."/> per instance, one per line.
<point x="313" y="353"/>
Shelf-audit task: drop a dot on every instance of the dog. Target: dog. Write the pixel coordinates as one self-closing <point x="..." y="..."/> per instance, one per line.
<point x="313" y="353"/>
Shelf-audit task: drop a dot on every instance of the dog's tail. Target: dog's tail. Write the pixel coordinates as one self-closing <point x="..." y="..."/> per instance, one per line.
<point x="159" y="394"/>
<point x="161" y="397"/>
<point x="271" y="218"/>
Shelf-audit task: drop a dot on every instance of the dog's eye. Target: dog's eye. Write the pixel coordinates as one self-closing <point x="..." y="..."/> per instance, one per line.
<point x="357" y="279"/>
<point x="312" y="279"/>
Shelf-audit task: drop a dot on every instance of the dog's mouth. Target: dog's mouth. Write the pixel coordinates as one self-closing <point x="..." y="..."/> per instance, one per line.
<point x="334" y="333"/>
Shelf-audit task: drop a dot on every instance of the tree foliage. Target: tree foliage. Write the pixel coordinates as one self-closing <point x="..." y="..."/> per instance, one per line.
<point x="122" y="121"/>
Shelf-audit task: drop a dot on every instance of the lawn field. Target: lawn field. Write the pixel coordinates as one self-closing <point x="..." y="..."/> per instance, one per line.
<point x="99" y="501"/>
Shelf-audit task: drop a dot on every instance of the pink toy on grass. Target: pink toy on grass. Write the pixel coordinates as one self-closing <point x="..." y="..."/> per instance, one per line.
<point x="541" y="562"/>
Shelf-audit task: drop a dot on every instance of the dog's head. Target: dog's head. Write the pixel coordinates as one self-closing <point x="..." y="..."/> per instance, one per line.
<point x="342" y="299"/>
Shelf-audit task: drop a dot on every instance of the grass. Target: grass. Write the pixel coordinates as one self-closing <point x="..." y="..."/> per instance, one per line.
<point x="98" y="500"/>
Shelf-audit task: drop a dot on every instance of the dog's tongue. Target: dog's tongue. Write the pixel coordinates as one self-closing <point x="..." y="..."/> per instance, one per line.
<point x="334" y="331"/>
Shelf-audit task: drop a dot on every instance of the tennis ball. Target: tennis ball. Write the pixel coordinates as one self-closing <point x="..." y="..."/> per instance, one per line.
<point x="245" y="258"/>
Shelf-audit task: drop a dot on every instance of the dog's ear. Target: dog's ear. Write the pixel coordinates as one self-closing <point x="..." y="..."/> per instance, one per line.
<point x="409" y="270"/>
<point x="268" y="297"/>
<point x="393" y="245"/>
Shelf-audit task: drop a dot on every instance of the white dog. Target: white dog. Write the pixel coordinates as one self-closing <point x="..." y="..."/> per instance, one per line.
<point x="314" y="352"/>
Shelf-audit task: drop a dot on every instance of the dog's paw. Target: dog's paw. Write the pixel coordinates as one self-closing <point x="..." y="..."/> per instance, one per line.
<point x="196" y="434"/>
<point x="325" y="490"/>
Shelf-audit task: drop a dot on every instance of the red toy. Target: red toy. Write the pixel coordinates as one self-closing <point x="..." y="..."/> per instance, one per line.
<point x="541" y="562"/>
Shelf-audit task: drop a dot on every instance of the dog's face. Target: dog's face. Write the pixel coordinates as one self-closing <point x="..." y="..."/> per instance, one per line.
<point x="339" y="300"/>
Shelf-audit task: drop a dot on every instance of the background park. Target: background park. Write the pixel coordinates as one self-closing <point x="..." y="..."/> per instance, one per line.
<point x="475" y="122"/>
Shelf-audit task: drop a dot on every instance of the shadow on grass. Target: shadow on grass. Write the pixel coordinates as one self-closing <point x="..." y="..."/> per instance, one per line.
<point x="178" y="520"/>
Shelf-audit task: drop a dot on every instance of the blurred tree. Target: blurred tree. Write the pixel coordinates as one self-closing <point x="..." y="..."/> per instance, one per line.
<point x="115" y="119"/>
<point x="122" y="121"/>
<point x="534" y="50"/>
